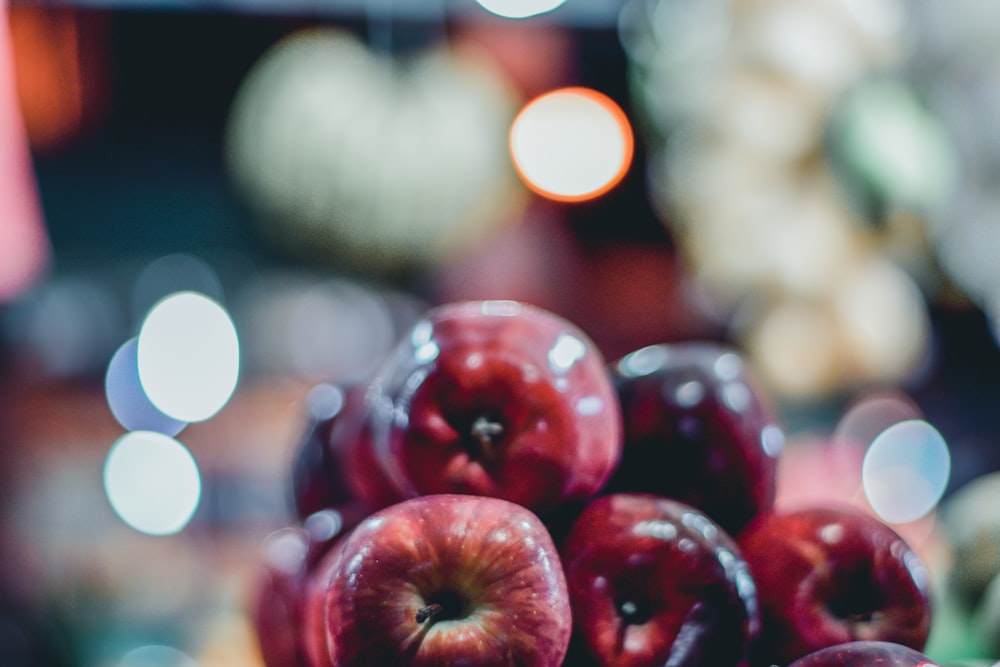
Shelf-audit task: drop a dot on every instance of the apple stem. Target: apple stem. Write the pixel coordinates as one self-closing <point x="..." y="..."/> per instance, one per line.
<point x="487" y="432"/>
<point x="429" y="613"/>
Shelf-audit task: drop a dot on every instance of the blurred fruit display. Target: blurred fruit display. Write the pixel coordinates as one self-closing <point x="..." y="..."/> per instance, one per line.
<point x="951" y="67"/>
<point x="746" y="99"/>
<point x="377" y="161"/>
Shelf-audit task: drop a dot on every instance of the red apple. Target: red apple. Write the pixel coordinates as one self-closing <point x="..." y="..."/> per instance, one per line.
<point x="352" y="450"/>
<point x="318" y="479"/>
<point x="865" y="654"/>
<point x="276" y="603"/>
<point x="496" y="398"/>
<point x="311" y="629"/>
<point x="448" y="579"/>
<point x="699" y="429"/>
<point x="291" y="557"/>
<point x="335" y="464"/>
<point x="831" y="575"/>
<point x="653" y="581"/>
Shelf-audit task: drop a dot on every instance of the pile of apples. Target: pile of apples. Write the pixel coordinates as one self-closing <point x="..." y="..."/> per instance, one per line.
<point x="500" y="495"/>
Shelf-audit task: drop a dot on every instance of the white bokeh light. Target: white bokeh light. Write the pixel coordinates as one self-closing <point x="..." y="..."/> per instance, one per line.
<point x="905" y="471"/>
<point x="519" y="9"/>
<point x="644" y="361"/>
<point x="156" y="655"/>
<point x="188" y="356"/>
<point x="152" y="482"/>
<point x="126" y="398"/>
<point x="571" y="144"/>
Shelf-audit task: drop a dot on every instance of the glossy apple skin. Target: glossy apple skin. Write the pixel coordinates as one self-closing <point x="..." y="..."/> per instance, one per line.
<point x="336" y="463"/>
<point x="490" y="563"/>
<point x="694" y="601"/>
<point x="832" y="575"/>
<point x="292" y="557"/>
<point x="496" y="398"/>
<point x="311" y="628"/>
<point x="276" y="601"/>
<point x="318" y="480"/>
<point x="352" y="444"/>
<point x="865" y="654"/>
<point x="698" y="428"/>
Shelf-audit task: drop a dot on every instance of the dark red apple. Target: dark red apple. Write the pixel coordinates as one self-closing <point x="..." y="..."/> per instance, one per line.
<point x="865" y="654"/>
<point x="291" y="557"/>
<point x="318" y="478"/>
<point x="653" y="581"/>
<point x="353" y="451"/>
<point x="698" y="428"/>
<point x="496" y="398"/>
<point x="832" y="575"/>
<point x="448" y="579"/>
<point x="335" y="464"/>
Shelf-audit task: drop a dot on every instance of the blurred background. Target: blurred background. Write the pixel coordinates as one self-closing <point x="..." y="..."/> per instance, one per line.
<point x="210" y="208"/>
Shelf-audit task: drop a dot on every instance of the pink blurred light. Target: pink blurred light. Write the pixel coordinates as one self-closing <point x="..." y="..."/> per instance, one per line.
<point x="817" y="470"/>
<point x="24" y="247"/>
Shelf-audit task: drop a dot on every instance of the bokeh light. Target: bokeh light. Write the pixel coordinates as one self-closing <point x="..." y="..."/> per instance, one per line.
<point x="156" y="655"/>
<point x="965" y="244"/>
<point x="883" y="320"/>
<point x="906" y="470"/>
<point x="324" y="524"/>
<point x="24" y="245"/>
<point x="871" y="414"/>
<point x="324" y="401"/>
<point x="71" y="325"/>
<point x="795" y="348"/>
<point x="813" y="470"/>
<point x="152" y="482"/>
<point x="126" y="398"/>
<point x="572" y="144"/>
<point x="285" y="549"/>
<point x="169" y="274"/>
<point x="519" y="9"/>
<point x="188" y="356"/>
<point x="888" y="139"/>
<point x="324" y="331"/>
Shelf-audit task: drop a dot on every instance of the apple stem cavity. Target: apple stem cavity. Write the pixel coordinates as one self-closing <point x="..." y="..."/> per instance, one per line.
<point x="632" y="613"/>
<point x="446" y="606"/>
<point x="857" y="605"/>
<point x="486" y="432"/>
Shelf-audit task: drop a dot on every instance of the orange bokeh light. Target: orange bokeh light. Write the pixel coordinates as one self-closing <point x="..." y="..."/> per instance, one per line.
<point x="572" y="144"/>
<point x="23" y="241"/>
